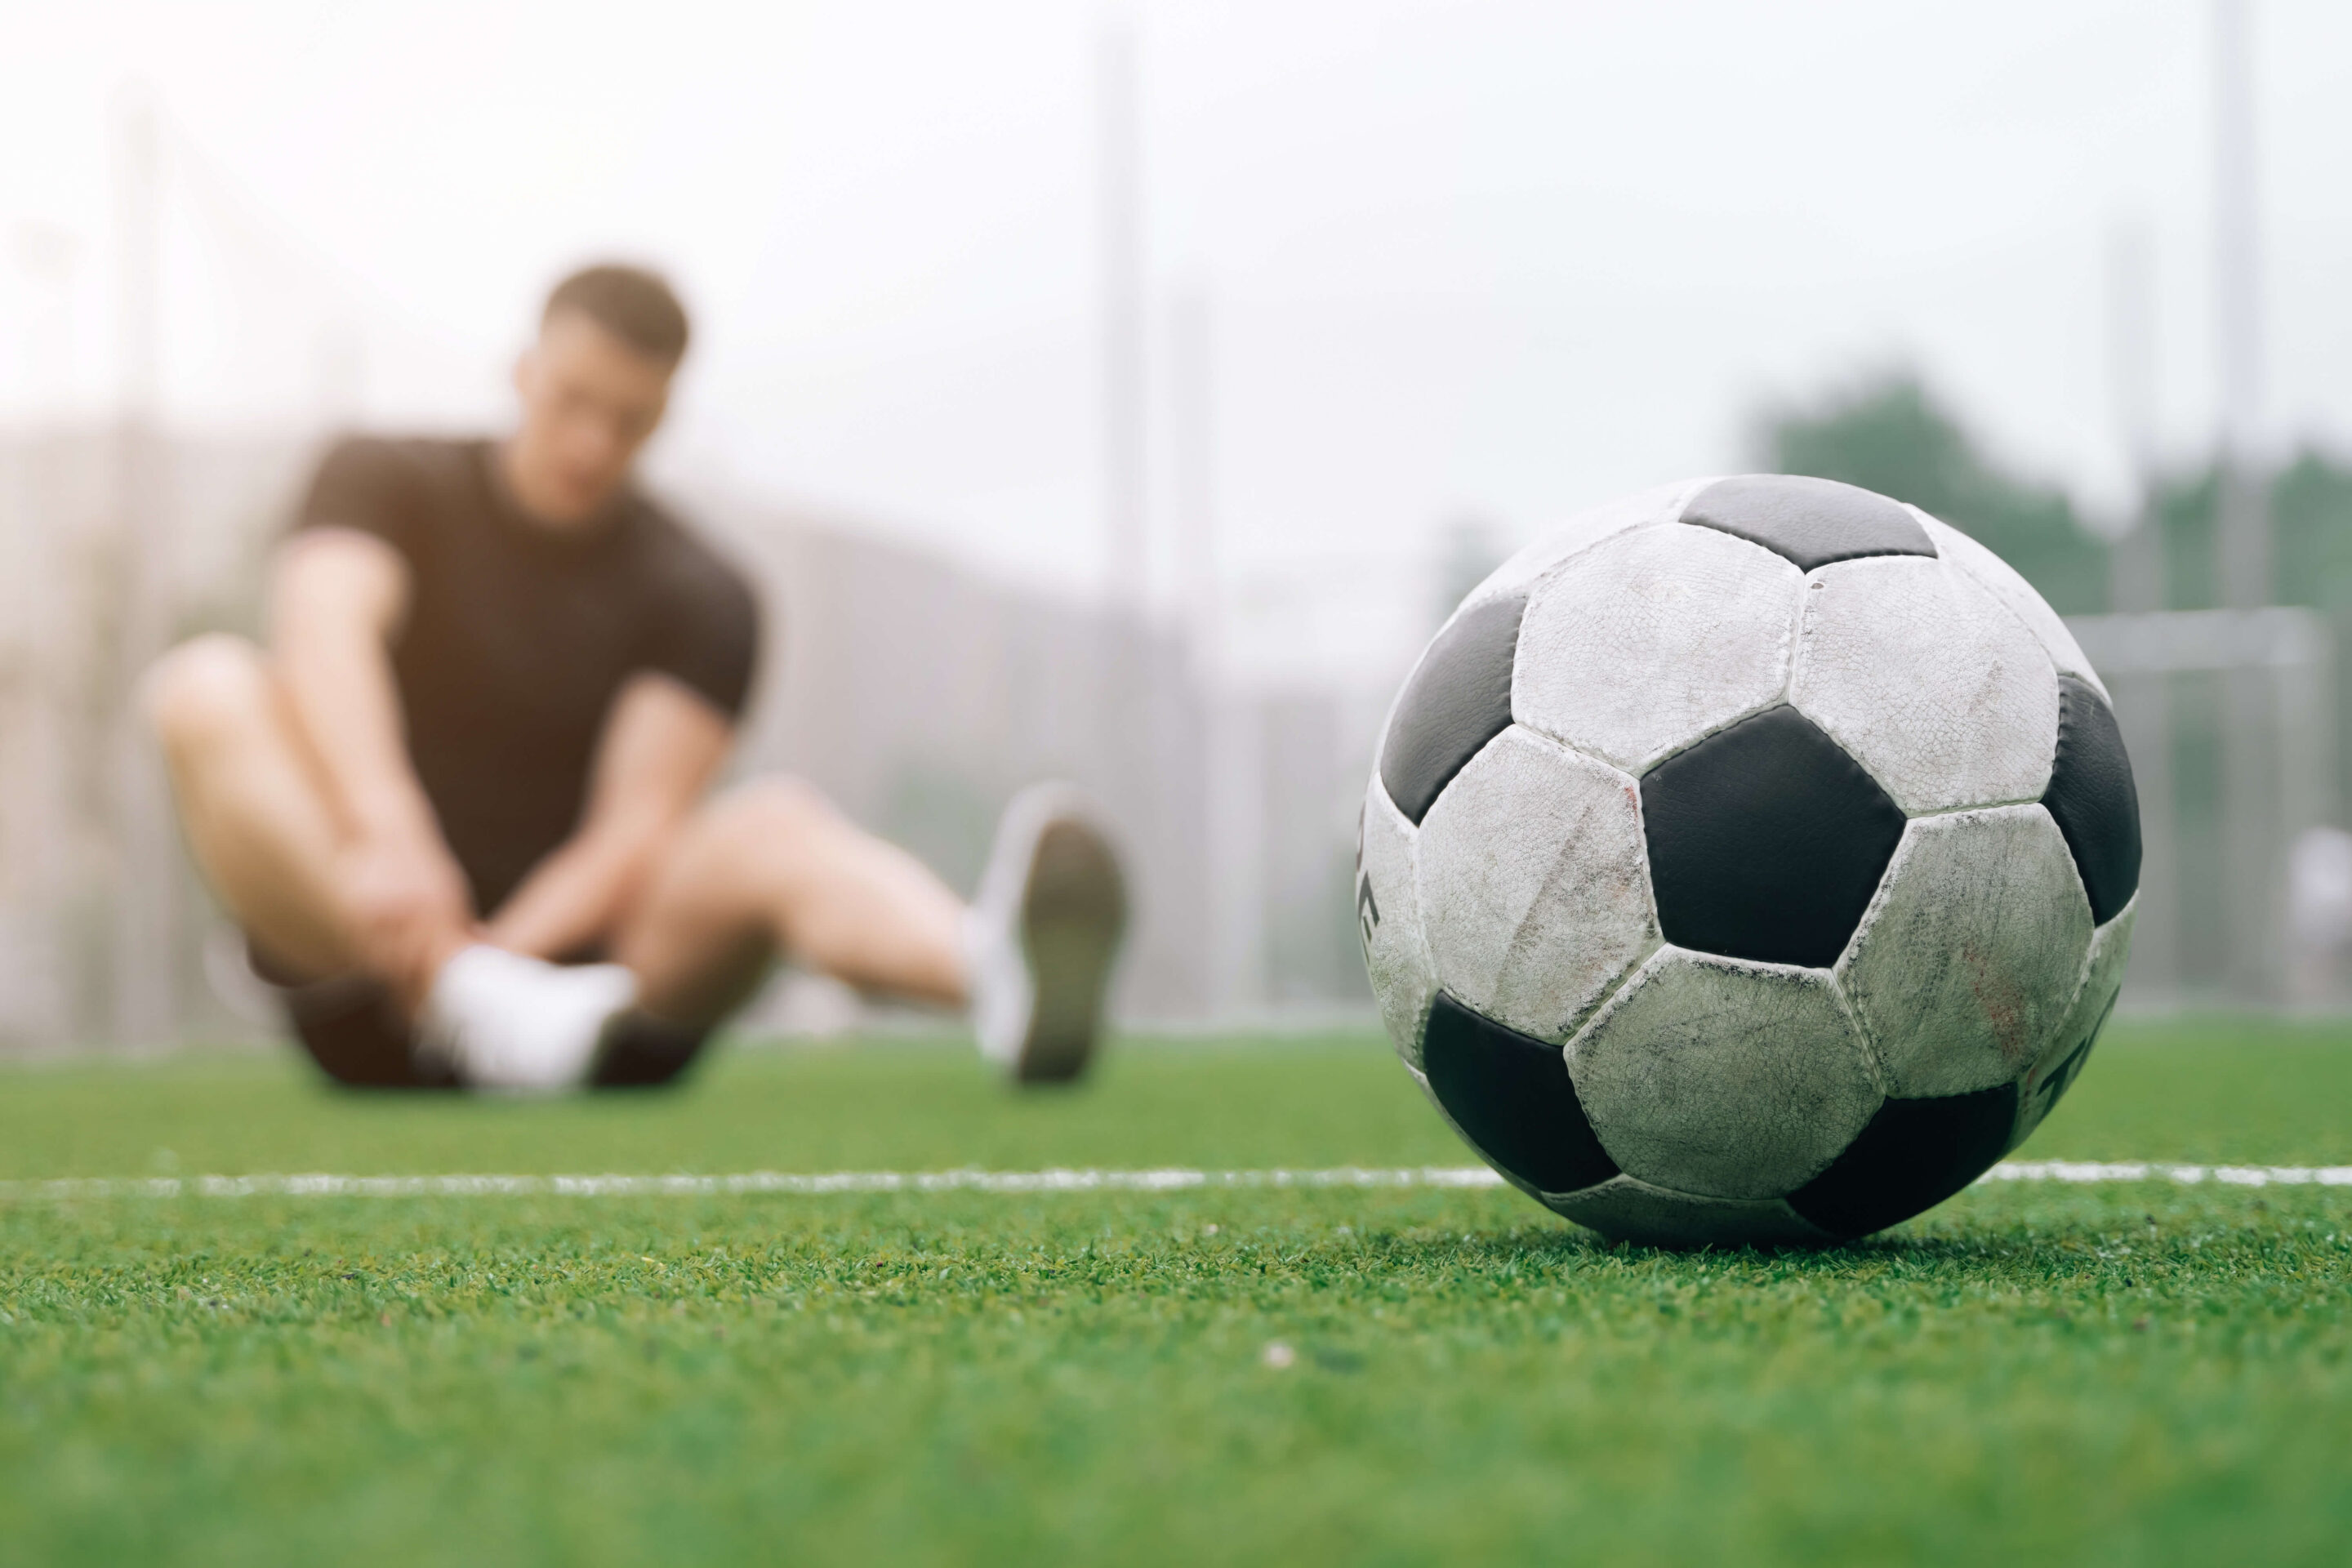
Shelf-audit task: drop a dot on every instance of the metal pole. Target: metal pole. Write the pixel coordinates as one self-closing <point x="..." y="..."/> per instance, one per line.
<point x="1191" y="461"/>
<point x="1131" y="721"/>
<point x="1232" y="763"/>
<point x="1126" y="557"/>
<point x="2139" y="583"/>
<point x="147" y="868"/>
<point x="2136" y="578"/>
<point x="2245" y="521"/>
<point x="2253" y="834"/>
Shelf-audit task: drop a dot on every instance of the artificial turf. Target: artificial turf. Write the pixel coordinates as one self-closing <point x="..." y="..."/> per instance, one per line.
<point x="2143" y="1372"/>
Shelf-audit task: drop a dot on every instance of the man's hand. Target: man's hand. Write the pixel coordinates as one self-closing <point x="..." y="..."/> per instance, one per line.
<point x="662" y="746"/>
<point x="339" y="598"/>
<point x="408" y="908"/>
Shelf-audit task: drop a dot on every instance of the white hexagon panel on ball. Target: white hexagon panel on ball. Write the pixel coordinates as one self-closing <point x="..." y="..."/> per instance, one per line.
<point x="1535" y="887"/>
<point x="1967" y="959"/>
<point x="1928" y="681"/>
<point x="1693" y="626"/>
<point x="1723" y="1079"/>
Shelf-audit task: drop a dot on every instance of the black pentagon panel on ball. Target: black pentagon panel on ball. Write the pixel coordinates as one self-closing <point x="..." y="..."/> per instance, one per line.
<point x="1811" y="522"/>
<point x="1511" y="1096"/>
<point x="1914" y="1154"/>
<point x="1458" y="699"/>
<point x="1766" y="841"/>
<point x="2092" y="796"/>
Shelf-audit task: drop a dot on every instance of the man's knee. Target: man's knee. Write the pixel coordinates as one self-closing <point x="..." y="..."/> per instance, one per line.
<point x="207" y="687"/>
<point x="772" y="810"/>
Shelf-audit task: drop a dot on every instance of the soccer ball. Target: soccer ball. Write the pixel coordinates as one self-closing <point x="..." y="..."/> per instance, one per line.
<point x="1751" y="860"/>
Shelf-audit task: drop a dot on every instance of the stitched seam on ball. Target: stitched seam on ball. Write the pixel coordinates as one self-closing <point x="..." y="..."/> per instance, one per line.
<point x="2085" y="674"/>
<point x="1873" y="1061"/>
<point x="1649" y="765"/>
<point x="1625" y="983"/>
<point x="1677" y="505"/>
<point x="1575" y="1026"/>
<point x="2082" y="883"/>
<point x="1873" y="1064"/>
<point x="1796" y="657"/>
<point x="2091" y="957"/>
<point x="1627" y="1179"/>
<point x="1796" y="636"/>
<point x="1791" y="635"/>
<point x="1656" y="938"/>
<point x="1812" y="579"/>
<point x="1926" y="812"/>
<point x="2129" y="905"/>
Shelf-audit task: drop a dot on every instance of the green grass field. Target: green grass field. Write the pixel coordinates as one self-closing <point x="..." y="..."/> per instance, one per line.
<point x="2142" y="1373"/>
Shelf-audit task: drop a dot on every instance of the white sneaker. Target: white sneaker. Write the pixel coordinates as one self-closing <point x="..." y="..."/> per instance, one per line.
<point x="507" y="1022"/>
<point x="1043" y="932"/>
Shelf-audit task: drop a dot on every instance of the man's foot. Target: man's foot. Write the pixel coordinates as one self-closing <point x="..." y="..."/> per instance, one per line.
<point x="1045" y="928"/>
<point x="507" y="1022"/>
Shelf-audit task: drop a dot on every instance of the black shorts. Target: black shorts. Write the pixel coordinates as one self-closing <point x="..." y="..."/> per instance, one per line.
<point x="359" y="1036"/>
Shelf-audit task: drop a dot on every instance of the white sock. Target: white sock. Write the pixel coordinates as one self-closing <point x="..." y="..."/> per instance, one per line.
<point x="999" y="985"/>
<point x="507" y="1022"/>
<point x="1040" y="950"/>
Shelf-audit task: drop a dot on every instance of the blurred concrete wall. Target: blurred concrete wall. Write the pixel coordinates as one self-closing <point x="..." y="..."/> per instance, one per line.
<point x="88" y="520"/>
<point x="915" y="692"/>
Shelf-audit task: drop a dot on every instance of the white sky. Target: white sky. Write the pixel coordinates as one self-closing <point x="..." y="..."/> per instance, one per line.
<point x="1501" y="259"/>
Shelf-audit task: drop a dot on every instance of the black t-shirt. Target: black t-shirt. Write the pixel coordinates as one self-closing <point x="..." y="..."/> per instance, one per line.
<point x="520" y="636"/>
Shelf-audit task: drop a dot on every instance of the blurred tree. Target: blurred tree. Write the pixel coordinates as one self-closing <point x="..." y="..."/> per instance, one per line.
<point x="1893" y="437"/>
<point x="2310" y="514"/>
<point x="2185" y="510"/>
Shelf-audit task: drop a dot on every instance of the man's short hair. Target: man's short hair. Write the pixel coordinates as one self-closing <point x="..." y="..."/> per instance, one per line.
<point x="635" y="305"/>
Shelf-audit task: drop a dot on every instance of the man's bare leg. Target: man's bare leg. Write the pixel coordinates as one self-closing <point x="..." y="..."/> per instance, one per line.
<point x="769" y="868"/>
<point x="263" y="819"/>
<point x="255" y="806"/>
<point x="772" y="868"/>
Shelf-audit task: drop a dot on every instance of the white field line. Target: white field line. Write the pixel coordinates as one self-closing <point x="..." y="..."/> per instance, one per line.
<point x="1174" y="1179"/>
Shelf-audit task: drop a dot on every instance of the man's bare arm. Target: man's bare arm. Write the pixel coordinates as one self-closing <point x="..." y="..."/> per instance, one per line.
<point x="663" y="745"/>
<point x="337" y="599"/>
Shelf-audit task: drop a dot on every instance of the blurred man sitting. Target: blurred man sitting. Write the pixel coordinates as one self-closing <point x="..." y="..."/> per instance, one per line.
<point x="458" y="803"/>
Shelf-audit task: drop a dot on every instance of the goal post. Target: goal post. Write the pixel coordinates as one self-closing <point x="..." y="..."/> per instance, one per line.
<point x="2229" y="716"/>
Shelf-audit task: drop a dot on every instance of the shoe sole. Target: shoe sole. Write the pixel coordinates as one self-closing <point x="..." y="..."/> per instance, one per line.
<point x="1072" y="915"/>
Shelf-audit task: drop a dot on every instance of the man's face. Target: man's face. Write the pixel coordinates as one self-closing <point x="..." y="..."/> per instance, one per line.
<point x="589" y="402"/>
